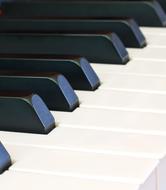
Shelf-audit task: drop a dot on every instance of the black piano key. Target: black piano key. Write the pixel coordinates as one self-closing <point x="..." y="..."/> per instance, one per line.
<point x="77" y="70"/>
<point x="53" y="88"/>
<point x="163" y="4"/>
<point x="126" y="29"/>
<point x="5" y="160"/>
<point x="103" y="48"/>
<point x="146" y="13"/>
<point x="23" y="112"/>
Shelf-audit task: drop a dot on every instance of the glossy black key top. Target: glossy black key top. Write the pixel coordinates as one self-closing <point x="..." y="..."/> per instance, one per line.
<point x="126" y="29"/>
<point x="24" y="113"/>
<point x="103" y="48"/>
<point x="5" y="160"/>
<point x="146" y="13"/>
<point x="53" y="88"/>
<point x="77" y="70"/>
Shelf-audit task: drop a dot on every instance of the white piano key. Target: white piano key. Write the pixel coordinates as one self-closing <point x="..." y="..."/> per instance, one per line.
<point x="148" y="53"/>
<point x="123" y="100"/>
<point x="32" y="181"/>
<point x="114" y="120"/>
<point x="136" y="67"/>
<point x="156" y="40"/>
<point x="90" y="140"/>
<point x="155" y="36"/>
<point x="133" y="82"/>
<point x="83" y="165"/>
<point x="153" y="30"/>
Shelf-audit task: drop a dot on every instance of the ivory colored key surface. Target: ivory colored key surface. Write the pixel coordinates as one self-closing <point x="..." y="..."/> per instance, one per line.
<point x="133" y="82"/>
<point x="114" y="120"/>
<point x="155" y="36"/>
<point x="154" y="51"/>
<point x="149" y="53"/>
<point x="155" y="40"/>
<point x="91" y="140"/>
<point x="136" y="67"/>
<point x="26" y="181"/>
<point x="83" y="165"/>
<point x="124" y="100"/>
<point x="153" y="30"/>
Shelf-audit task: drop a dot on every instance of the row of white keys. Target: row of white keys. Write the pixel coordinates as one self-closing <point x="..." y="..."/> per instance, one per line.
<point x="33" y="181"/>
<point x="91" y="140"/>
<point x="114" y="120"/>
<point x="126" y="122"/>
<point x="96" y="166"/>
<point x="141" y="101"/>
<point x="86" y="142"/>
<point x="79" y="140"/>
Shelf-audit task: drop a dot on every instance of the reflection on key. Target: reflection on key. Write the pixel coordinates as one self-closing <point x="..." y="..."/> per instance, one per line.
<point x="53" y="88"/>
<point x="76" y="69"/>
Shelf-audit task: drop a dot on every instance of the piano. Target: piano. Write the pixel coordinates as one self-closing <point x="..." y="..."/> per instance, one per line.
<point x="83" y="95"/>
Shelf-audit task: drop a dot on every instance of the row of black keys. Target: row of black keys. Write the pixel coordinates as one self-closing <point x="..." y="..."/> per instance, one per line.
<point x="32" y="48"/>
<point x="31" y="60"/>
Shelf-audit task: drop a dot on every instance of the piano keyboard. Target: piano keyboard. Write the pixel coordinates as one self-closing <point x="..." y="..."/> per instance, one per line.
<point x="114" y="135"/>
